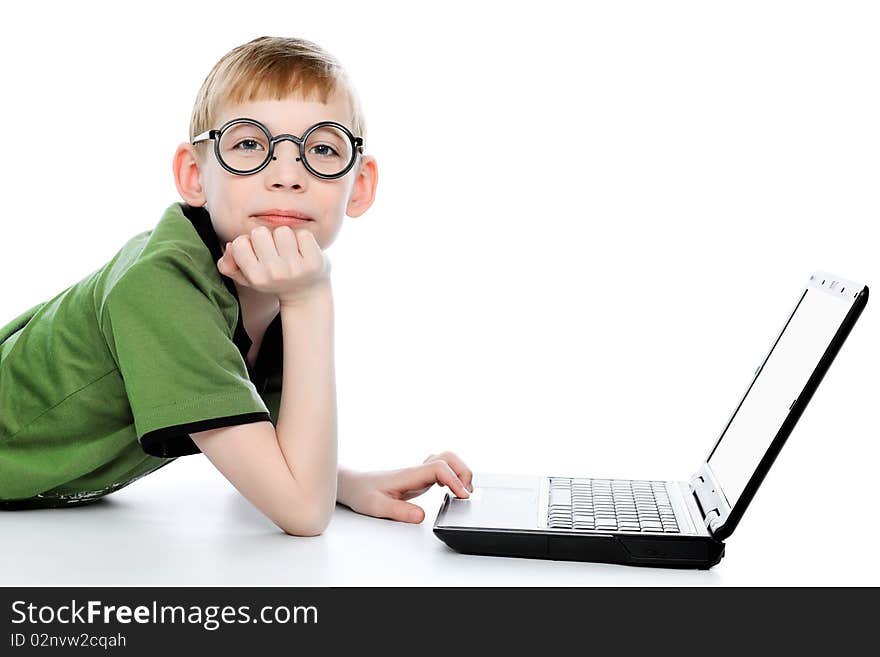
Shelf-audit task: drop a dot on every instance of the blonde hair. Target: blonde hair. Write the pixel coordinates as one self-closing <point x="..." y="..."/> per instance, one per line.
<point x="271" y="68"/>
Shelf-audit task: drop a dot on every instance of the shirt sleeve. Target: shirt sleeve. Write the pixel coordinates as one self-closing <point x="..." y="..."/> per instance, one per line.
<point x="272" y="396"/>
<point x="166" y="329"/>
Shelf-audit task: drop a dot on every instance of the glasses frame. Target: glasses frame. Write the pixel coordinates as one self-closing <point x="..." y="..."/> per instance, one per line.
<point x="357" y="146"/>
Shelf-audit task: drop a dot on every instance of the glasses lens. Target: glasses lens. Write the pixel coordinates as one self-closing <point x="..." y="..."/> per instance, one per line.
<point x="328" y="150"/>
<point x="244" y="146"/>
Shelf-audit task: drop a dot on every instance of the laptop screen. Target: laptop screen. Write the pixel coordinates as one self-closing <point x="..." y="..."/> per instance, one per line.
<point x="779" y="381"/>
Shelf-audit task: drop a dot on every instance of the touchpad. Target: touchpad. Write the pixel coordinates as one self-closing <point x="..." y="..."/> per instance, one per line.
<point x="494" y="507"/>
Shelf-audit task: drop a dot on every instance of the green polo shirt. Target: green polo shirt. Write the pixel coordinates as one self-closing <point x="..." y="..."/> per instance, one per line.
<point x="103" y="383"/>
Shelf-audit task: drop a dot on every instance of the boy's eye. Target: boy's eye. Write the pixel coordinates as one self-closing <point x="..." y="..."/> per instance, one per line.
<point x="248" y="141"/>
<point x="324" y="150"/>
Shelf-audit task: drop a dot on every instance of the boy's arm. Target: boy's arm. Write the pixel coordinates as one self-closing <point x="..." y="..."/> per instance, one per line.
<point x="250" y="457"/>
<point x="306" y="425"/>
<point x="289" y="471"/>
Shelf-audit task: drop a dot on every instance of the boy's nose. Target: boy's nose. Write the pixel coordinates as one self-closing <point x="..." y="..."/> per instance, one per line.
<point x="286" y="149"/>
<point x="286" y="166"/>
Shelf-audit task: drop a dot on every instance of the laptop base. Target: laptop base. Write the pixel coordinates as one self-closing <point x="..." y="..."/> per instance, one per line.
<point x="520" y="540"/>
<point x="671" y="552"/>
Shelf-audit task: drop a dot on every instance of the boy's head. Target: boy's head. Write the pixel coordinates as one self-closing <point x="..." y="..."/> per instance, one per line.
<point x="288" y="85"/>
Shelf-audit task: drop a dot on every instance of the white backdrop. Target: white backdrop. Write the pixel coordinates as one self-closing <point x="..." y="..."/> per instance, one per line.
<point x="592" y="220"/>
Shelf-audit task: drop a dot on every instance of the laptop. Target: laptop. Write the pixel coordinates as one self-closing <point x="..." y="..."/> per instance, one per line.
<point x="679" y="524"/>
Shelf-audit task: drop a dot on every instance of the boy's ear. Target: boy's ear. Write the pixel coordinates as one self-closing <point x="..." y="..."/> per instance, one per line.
<point x="186" y="168"/>
<point x="364" y="189"/>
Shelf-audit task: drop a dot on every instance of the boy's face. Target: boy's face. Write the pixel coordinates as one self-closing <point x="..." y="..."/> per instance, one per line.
<point x="233" y="201"/>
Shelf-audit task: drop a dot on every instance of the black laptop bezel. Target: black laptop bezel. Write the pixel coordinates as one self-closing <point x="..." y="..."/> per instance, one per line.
<point x="725" y="528"/>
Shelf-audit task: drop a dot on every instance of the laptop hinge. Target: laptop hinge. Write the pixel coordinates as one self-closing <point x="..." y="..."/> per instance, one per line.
<point x="709" y="498"/>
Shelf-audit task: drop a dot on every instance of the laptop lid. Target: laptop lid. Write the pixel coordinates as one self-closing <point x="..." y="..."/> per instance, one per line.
<point x="779" y="392"/>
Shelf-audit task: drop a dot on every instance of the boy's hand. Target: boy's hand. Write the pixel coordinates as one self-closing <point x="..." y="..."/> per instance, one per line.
<point x="281" y="261"/>
<point x="381" y="494"/>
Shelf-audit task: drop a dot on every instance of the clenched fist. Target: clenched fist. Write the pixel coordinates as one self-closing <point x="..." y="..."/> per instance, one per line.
<point x="285" y="262"/>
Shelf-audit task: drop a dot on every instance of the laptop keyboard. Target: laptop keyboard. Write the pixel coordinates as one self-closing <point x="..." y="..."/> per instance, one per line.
<point x="605" y="504"/>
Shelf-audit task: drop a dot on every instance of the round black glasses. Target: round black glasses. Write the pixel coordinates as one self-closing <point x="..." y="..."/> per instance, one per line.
<point x="245" y="146"/>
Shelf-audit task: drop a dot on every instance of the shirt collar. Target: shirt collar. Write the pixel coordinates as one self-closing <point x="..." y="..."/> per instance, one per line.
<point x="270" y="357"/>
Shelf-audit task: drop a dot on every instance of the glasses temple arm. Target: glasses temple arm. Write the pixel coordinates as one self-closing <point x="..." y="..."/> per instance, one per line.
<point x="207" y="134"/>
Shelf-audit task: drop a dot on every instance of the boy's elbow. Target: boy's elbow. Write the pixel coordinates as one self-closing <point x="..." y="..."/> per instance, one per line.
<point x="304" y="530"/>
<point x="313" y="525"/>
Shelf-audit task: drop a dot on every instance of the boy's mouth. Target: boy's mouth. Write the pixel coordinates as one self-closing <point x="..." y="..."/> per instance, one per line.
<point x="277" y="219"/>
<point x="283" y="217"/>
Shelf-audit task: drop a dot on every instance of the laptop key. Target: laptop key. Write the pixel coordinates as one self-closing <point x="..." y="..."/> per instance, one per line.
<point x="560" y="497"/>
<point x="583" y="525"/>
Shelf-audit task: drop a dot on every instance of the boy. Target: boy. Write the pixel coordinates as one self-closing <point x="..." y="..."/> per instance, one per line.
<point x="213" y="333"/>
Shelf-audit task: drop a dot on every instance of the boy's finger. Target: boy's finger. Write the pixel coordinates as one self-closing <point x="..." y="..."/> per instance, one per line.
<point x="458" y="466"/>
<point x="447" y="477"/>
<point x="263" y="243"/>
<point x="237" y="277"/>
<point x="286" y="244"/>
<point x="402" y="511"/>
<point x="308" y="245"/>
<point x="227" y="260"/>
<point x="227" y="265"/>
<point x="244" y="256"/>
